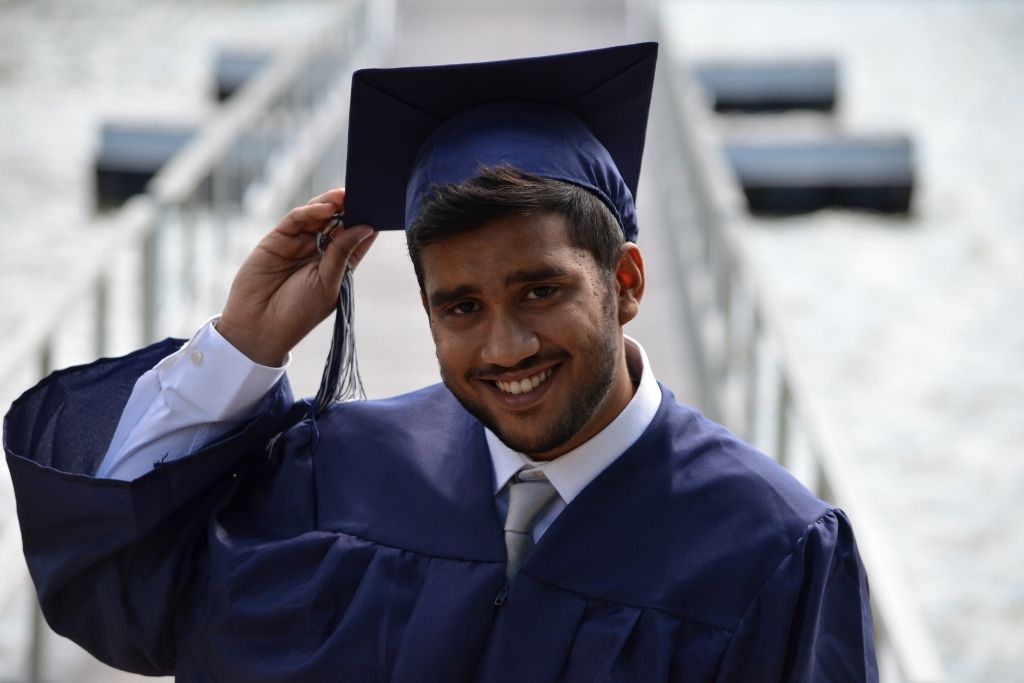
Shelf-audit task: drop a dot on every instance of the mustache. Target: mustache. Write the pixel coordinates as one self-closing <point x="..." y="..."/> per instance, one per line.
<point x="534" y="361"/>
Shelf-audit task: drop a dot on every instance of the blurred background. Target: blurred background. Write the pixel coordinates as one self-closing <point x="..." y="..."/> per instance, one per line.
<point x="830" y="209"/>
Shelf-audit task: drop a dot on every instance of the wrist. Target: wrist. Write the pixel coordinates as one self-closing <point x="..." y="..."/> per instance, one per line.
<point x="251" y="344"/>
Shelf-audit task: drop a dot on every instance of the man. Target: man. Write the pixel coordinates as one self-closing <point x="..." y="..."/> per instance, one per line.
<point x="549" y="513"/>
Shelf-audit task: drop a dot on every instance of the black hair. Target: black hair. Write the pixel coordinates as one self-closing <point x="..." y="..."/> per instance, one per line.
<point x="499" y="192"/>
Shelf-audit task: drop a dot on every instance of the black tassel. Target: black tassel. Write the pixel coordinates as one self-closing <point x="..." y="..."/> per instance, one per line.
<point x="341" y="380"/>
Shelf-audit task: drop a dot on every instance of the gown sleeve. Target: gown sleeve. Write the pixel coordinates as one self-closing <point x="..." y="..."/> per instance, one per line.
<point x="190" y="398"/>
<point x="118" y="564"/>
<point x="811" y="621"/>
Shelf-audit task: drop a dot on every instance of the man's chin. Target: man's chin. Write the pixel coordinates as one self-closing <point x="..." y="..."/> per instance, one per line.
<point x="516" y="437"/>
<point x="538" y="441"/>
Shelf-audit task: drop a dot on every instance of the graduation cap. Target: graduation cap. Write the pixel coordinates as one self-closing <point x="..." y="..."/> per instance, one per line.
<point x="579" y="117"/>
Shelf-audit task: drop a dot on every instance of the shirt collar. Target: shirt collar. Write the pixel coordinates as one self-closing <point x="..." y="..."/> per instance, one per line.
<point x="571" y="472"/>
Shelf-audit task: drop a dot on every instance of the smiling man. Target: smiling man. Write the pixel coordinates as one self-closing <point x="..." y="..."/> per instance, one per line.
<point x="548" y="513"/>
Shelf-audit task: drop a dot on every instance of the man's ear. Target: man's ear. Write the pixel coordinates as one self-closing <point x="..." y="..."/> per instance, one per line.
<point x="629" y="276"/>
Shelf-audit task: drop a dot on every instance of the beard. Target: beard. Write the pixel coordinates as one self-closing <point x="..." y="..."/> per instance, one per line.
<point x="598" y="356"/>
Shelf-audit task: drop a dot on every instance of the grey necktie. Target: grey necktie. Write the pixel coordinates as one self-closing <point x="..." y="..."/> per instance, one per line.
<point x="529" y="492"/>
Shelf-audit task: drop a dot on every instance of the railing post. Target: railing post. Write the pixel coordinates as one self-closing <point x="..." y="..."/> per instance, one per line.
<point x="823" y="487"/>
<point x="752" y="368"/>
<point x="102" y="323"/>
<point x="46" y="358"/>
<point x="782" y="422"/>
<point x="219" y="199"/>
<point x="151" y="282"/>
<point x="188" y="229"/>
<point x="724" y="292"/>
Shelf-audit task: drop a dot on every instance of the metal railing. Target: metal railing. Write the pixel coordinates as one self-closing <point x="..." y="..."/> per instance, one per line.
<point x="748" y="376"/>
<point x="165" y="260"/>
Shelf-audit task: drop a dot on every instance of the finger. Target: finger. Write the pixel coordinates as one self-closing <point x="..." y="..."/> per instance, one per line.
<point x="306" y="219"/>
<point x="342" y="248"/>
<point x="335" y="196"/>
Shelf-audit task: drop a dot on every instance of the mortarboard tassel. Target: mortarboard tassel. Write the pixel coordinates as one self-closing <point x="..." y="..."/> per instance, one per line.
<point x="341" y="380"/>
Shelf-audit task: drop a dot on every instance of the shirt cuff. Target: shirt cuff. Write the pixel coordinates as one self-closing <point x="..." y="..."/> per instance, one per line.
<point x="215" y="377"/>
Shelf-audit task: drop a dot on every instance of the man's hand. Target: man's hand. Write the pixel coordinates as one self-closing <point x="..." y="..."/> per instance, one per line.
<point x="284" y="289"/>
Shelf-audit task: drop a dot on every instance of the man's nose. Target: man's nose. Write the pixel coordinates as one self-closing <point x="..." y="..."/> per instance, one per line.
<point x="509" y="342"/>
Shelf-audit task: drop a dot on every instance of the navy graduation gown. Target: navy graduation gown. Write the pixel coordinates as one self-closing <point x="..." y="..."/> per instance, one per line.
<point x="366" y="547"/>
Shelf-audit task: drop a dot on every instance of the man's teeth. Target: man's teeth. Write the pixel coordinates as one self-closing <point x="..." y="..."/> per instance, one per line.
<point x="521" y="386"/>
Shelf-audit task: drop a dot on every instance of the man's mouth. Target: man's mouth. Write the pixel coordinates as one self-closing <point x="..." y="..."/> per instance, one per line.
<point x="522" y="386"/>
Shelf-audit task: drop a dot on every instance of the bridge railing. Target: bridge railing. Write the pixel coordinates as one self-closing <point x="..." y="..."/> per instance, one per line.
<point x="165" y="259"/>
<point x="749" y="378"/>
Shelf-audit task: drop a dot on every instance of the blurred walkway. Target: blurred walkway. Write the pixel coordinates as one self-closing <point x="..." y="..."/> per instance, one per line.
<point x="395" y="350"/>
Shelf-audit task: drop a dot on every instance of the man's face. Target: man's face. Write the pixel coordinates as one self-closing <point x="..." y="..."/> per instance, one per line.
<point x="528" y="332"/>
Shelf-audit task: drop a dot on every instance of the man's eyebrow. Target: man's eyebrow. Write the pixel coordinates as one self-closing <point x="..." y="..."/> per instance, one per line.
<point x="521" y="277"/>
<point x="444" y="297"/>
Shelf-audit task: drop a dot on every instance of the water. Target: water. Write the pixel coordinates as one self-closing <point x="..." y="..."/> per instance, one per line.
<point x="66" y="66"/>
<point x="911" y="329"/>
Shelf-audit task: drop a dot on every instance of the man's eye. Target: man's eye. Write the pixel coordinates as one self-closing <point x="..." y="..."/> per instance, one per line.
<point x="463" y="308"/>
<point x="542" y="292"/>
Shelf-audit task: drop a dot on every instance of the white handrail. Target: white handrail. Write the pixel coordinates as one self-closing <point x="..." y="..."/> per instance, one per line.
<point x="282" y="128"/>
<point x="733" y="321"/>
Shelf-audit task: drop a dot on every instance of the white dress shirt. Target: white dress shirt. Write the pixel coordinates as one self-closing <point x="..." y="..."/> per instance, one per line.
<point x="208" y="387"/>
<point x="189" y="398"/>
<point x="570" y="472"/>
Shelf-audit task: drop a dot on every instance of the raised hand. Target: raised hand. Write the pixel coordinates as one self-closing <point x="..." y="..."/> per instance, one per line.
<point x="285" y="289"/>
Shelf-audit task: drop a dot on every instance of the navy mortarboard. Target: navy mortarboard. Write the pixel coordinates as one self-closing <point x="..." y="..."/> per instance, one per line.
<point x="579" y="117"/>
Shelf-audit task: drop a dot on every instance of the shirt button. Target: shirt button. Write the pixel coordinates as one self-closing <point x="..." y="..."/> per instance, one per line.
<point x="197" y="358"/>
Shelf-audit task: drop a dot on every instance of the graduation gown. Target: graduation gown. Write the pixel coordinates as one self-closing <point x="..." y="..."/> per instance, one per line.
<point x="365" y="546"/>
